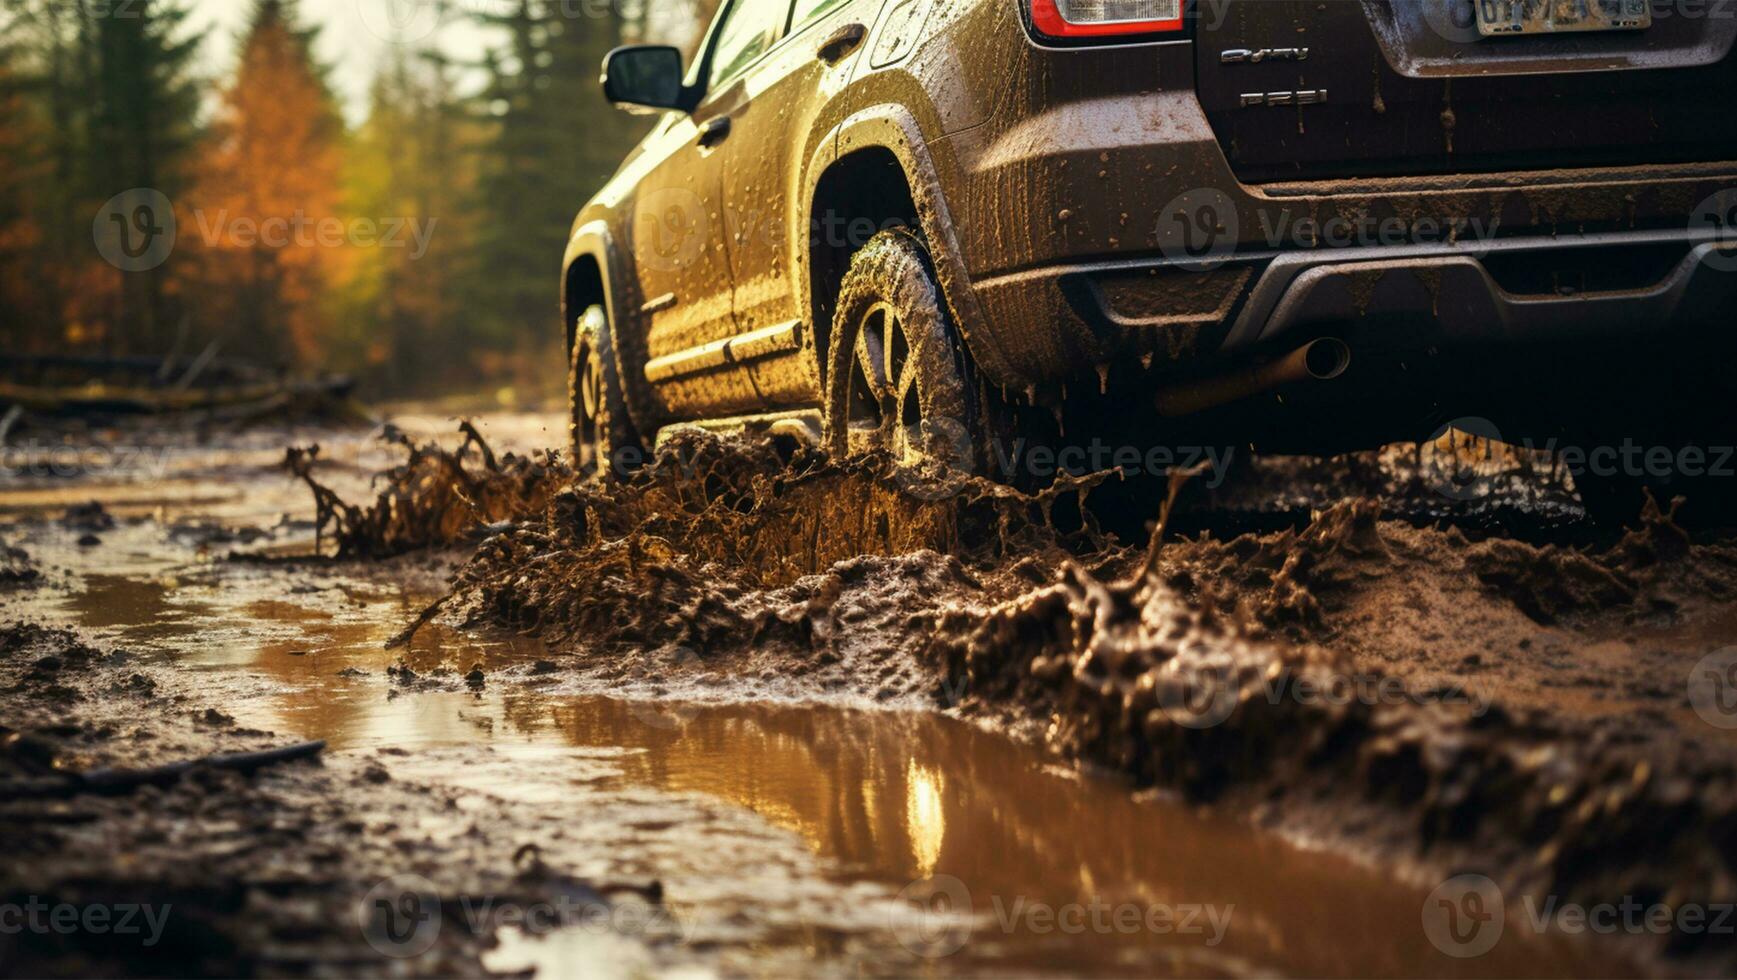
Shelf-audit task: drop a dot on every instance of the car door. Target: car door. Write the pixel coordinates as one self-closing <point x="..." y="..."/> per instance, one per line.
<point x="776" y="106"/>
<point x="682" y="227"/>
<point x="680" y="261"/>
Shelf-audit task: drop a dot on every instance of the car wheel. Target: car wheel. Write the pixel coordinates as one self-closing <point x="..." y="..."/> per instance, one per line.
<point x="898" y="378"/>
<point x="602" y="435"/>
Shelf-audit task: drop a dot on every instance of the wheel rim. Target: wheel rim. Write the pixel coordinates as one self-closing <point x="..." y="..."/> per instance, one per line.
<point x="885" y="397"/>
<point x="587" y="406"/>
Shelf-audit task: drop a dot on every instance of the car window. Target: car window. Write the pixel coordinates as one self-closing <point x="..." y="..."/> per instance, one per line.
<point x="807" y="11"/>
<point x="748" y="31"/>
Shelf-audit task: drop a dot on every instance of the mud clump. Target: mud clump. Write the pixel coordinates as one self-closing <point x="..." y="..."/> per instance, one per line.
<point x="1285" y="583"/>
<point x="432" y="498"/>
<point x="16" y="567"/>
<point x="89" y="517"/>
<point x="1131" y="676"/>
<point x="729" y="551"/>
<point x="1651" y="569"/>
<point x="1548" y="583"/>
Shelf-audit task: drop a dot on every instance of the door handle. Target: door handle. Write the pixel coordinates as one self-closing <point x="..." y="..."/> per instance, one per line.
<point x="842" y="42"/>
<point x="715" y="131"/>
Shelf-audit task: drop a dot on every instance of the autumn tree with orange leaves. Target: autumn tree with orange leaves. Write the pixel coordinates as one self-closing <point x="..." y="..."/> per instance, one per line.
<point x="474" y="160"/>
<point x="269" y="181"/>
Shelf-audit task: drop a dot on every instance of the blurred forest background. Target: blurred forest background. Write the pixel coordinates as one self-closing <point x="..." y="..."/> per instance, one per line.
<point x="489" y="156"/>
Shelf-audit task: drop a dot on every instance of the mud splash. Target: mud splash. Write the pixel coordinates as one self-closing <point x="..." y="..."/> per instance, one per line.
<point x="1426" y="701"/>
<point x="1244" y="672"/>
<point x="431" y="498"/>
<point x="788" y="838"/>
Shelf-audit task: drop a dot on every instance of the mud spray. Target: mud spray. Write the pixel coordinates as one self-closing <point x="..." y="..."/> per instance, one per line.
<point x="1399" y="692"/>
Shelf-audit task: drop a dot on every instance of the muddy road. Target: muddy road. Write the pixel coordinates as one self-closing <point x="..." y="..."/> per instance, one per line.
<point x="756" y="713"/>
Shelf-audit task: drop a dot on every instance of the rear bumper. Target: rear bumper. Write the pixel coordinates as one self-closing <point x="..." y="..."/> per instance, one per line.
<point x="1493" y="295"/>
<point x="1176" y="316"/>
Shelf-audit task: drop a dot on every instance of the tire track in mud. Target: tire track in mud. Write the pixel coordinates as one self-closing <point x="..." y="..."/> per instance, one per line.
<point x="1389" y="688"/>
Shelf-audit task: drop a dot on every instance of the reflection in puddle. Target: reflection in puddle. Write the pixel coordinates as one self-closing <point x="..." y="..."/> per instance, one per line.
<point x="786" y="836"/>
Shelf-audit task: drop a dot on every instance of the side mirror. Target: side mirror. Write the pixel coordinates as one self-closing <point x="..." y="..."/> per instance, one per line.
<point x="644" y="76"/>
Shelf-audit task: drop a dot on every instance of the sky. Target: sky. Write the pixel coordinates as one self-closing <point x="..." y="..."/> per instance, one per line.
<point x="353" y="40"/>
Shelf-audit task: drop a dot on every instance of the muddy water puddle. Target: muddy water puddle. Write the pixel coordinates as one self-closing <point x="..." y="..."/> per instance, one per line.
<point x="789" y="838"/>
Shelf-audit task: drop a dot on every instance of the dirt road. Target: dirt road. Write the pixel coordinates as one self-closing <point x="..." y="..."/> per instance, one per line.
<point x="757" y="713"/>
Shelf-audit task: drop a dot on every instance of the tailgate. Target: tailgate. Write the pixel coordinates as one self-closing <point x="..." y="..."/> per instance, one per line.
<point x="1301" y="89"/>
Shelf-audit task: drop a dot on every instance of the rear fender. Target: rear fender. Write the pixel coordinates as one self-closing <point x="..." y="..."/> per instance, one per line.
<point x="895" y="129"/>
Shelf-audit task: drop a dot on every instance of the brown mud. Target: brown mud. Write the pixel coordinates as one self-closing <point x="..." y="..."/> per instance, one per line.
<point x="1419" y="699"/>
<point x="1397" y="691"/>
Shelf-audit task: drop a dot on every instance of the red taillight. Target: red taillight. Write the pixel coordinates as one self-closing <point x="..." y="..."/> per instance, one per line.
<point x="1103" y="18"/>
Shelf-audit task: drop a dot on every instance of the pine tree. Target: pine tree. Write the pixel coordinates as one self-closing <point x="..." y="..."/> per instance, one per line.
<point x="142" y="134"/>
<point x="556" y="142"/>
<point x="109" y="99"/>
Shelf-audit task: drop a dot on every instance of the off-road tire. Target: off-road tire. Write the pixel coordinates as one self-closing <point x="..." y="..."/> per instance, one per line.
<point x="898" y="376"/>
<point x="600" y="433"/>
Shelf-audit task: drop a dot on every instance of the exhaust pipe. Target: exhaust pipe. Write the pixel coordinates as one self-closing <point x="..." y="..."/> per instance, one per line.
<point x="1317" y="360"/>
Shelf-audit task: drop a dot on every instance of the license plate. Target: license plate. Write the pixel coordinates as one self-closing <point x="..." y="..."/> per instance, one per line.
<point x="1502" y="18"/>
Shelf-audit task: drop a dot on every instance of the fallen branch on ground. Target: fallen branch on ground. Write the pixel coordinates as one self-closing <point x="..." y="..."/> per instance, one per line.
<point x="118" y="782"/>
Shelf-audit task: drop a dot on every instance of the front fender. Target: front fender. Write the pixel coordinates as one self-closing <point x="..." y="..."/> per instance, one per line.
<point x="593" y="240"/>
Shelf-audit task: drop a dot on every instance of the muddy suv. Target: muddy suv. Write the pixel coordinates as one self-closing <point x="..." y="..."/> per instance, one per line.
<point x="928" y="225"/>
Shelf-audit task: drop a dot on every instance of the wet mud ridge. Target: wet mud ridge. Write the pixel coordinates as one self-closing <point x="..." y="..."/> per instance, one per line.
<point x="1406" y="694"/>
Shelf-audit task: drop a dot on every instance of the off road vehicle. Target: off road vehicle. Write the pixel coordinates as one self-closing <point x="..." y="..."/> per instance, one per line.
<point x="1302" y="225"/>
